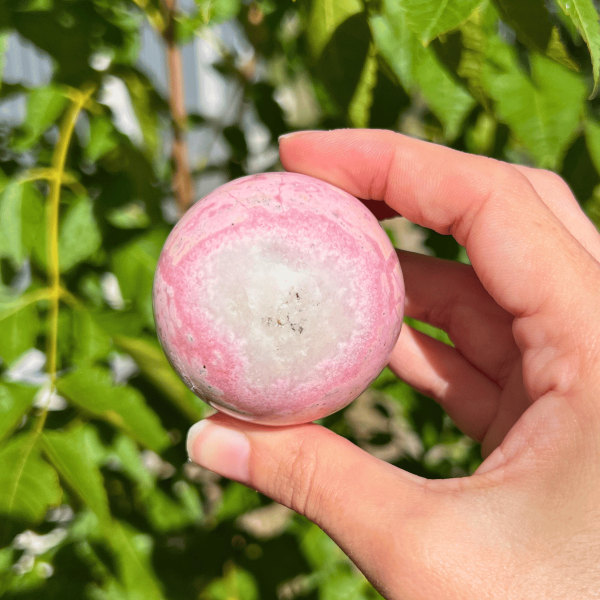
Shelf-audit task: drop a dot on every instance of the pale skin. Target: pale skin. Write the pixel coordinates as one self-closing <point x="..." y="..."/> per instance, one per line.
<point x="523" y="380"/>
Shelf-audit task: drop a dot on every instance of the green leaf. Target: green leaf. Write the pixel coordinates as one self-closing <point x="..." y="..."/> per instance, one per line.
<point x="164" y="512"/>
<point x="463" y="52"/>
<point x="72" y="455"/>
<point x="342" y="60"/>
<point x="418" y="66"/>
<point x="236" y="583"/>
<point x="395" y="41"/>
<point x="584" y="16"/>
<point x="126" y="450"/>
<point x="360" y="106"/>
<point x="543" y="112"/>
<point x="15" y="402"/>
<point x="530" y="21"/>
<point x="103" y="138"/>
<point x="167" y="514"/>
<point x="592" y="207"/>
<point x="592" y="138"/>
<point x="430" y="18"/>
<point x="320" y="550"/>
<point x="44" y="106"/>
<point x="20" y="324"/>
<point x="133" y="552"/>
<point x="209" y="13"/>
<point x="21" y="220"/>
<point x="79" y="234"/>
<point x="388" y="100"/>
<point x="472" y="58"/>
<point x="90" y="341"/>
<point x="134" y="265"/>
<point x="237" y="499"/>
<point x="324" y="19"/>
<point x="439" y="334"/>
<point x="130" y="216"/>
<point x="140" y="91"/>
<point x="11" y="245"/>
<point x="92" y="390"/>
<point x="448" y="100"/>
<point x="29" y="485"/>
<point x="154" y="366"/>
<point x="343" y="584"/>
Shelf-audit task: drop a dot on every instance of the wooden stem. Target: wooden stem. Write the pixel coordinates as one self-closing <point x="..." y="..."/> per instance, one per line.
<point x="182" y="177"/>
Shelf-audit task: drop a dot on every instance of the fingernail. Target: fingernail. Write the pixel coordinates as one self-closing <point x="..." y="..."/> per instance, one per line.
<point x="219" y="449"/>
<point x="293" y="133"/>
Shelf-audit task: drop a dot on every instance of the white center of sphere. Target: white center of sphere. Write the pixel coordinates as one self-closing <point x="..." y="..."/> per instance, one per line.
<point x="287" y="312"/>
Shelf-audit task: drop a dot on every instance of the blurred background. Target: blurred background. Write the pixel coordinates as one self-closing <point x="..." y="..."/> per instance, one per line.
<point x="115" y="116"/>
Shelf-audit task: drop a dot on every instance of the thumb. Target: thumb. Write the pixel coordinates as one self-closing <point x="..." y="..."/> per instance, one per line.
<point x="367" y="506"/>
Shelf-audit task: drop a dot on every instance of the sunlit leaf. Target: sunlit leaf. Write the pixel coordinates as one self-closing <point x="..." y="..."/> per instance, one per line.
<point x="325" y="17"/>
<point x="92" y="390"/>
<point x="418" y="66"/>
<point x="134" y="265"/>
<point x="133" y="552"/>
<point x="319" y="549"/>
<point x="448" y="100"/>
<point x="130" y="216"/>
<point x="20" y="324"/>
<point x="128" y="453"/>
<point x="430" y="18"/>
<point x="555" y="94"/>
<point x="29" y="485"/>
<point x="462" y="53"/>
<point x="140" y="91"/>
<point x="152" y="363"/>
<point x="237" y="583"/>
<point x="79" y="234"/>
<point x="90" y="341"/>
<point x="472" y="58"/>
<point x="21" y="220"/>
<point x="343" y="584"/>
<point x="103" y="138"/>
<point x="210" y="12"/>
<point x="70" y="453"/>
<point x="15" y="402"/>
<point x="236" y="500"/>
<point x="395" y="41"/>
<point x="584" y="16"/>
<point x="168" y="514"/>
<point x="44" y="107"/>
<point x="360" y="105"/>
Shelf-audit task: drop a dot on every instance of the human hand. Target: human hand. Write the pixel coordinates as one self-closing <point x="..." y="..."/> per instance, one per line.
<point x="523" y="379"/>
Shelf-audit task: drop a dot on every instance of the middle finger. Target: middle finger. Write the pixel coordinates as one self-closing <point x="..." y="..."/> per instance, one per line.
<point x="448" y="295"/>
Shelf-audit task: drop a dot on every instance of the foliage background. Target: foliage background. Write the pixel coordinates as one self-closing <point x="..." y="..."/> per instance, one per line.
<point x="96" y="498"/>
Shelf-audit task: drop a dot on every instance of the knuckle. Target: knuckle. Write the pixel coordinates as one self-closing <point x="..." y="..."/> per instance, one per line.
<point x="553" y="178"/>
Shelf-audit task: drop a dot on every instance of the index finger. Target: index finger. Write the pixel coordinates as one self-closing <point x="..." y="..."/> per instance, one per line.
<point x="523" y="255"/>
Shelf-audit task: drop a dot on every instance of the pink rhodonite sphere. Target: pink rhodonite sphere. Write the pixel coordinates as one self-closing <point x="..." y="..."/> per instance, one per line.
<point x="278" y="298"/>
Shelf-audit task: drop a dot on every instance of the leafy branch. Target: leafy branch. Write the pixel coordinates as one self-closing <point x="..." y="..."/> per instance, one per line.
<point x="58" y="168"/>
<point x="182" y="178"/>
<point x="54" y="292"/>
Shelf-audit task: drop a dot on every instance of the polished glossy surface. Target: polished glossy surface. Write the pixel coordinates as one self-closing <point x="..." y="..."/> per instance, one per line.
<point x="278" y="298"/>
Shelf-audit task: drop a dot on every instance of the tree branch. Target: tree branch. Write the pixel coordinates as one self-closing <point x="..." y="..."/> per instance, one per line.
<point x="182" y="178"/>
